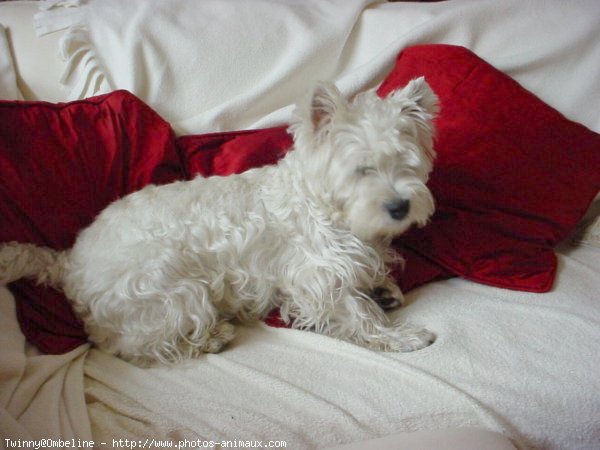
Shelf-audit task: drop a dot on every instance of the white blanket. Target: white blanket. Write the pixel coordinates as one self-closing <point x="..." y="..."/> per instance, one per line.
<point x="8" y="80"/>
<point x="41" y="396"/>
<point x="229" y="65"/>
<point x="522" y="364"/>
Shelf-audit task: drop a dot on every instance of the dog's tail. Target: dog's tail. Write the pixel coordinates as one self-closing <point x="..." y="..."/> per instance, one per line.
<point x="42" y="264"/>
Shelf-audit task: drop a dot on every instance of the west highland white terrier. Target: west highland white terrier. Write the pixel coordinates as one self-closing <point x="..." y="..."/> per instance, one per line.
<point x="161" y="273"/>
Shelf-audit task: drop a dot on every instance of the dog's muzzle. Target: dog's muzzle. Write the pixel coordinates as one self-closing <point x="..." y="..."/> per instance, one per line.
<point x="398" y="209"/>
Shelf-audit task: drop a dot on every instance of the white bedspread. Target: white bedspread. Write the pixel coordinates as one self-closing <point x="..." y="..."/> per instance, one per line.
<point x="522" y="364"/>
<point x="8" y="80"/>
<point x="41" y="396"/>
<point x="229" y="65"/>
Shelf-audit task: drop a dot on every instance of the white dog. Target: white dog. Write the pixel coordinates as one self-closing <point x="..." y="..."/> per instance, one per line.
<point x="160" y="274"/>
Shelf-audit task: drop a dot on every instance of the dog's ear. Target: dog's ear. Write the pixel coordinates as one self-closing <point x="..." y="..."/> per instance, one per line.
<point x="327" y="102"/>
<point x="419" y="91"/>
<point x="418" y="101"/>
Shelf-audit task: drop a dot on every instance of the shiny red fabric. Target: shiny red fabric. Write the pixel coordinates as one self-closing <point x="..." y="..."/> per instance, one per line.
<point x="60" y="165"/>
<point x="511" y="180"/>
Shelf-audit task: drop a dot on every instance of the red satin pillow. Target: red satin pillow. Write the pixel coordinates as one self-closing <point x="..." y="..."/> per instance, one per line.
<point x="60" y="165"/>
<point x="512" y="178"/>
<point x="232" y="152"/>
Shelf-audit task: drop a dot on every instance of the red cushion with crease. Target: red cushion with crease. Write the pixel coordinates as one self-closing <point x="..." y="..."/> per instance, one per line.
<point x="60" y="165"/>
<point x="512" y="178"/>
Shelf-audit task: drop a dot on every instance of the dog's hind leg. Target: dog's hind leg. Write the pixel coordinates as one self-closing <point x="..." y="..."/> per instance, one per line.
<point x="161" y="322"/>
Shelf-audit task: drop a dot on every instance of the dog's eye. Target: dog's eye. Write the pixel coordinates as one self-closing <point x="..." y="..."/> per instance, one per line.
<point x="365" y="170"/>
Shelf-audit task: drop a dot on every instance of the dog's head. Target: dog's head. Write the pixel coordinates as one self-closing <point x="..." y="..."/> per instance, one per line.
<point x="370" y="158"/>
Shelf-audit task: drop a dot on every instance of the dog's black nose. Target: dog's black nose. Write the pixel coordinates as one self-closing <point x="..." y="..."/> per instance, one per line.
<point x="398" y="209"/>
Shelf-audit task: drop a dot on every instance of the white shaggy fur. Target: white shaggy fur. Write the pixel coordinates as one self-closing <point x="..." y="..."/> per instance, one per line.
<point x="160" y="274"/>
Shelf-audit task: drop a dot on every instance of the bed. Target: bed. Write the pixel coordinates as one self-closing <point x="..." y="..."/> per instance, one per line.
<point x="102" y="97"/>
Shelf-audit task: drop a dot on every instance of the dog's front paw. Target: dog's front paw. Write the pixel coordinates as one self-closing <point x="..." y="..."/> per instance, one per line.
<point x="404" y="339"/>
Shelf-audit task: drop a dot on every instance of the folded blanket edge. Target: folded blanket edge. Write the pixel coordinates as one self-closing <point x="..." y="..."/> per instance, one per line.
<point x="84" y="75"/>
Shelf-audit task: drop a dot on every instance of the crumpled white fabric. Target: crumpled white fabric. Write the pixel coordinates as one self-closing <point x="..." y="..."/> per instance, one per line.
<point x="41" y="396"/>
<point x="9" y="90"/>
<point x="234" y="64"/>
<point x="518" y="363"/>
<point x="231" y="56"/>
